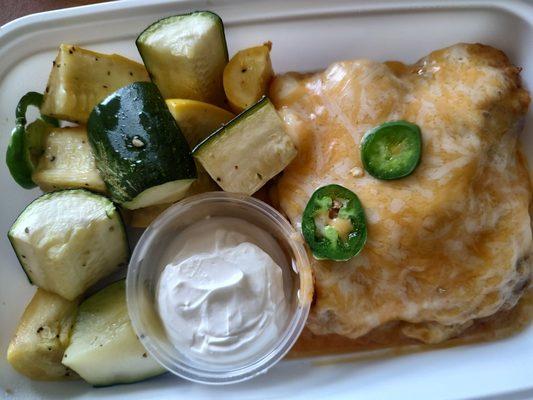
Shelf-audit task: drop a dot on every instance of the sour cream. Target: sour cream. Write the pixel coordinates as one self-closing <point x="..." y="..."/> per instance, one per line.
<point x="221" y="296"/>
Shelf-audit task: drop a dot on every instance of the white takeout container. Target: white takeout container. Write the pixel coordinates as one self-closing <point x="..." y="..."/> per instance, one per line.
<point x="306" y="35"/>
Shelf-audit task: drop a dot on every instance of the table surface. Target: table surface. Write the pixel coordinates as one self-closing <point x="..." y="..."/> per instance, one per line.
<point x="13" y="9"/>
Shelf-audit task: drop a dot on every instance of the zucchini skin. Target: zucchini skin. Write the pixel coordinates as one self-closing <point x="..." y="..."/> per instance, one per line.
<point x="248" y="151"/>
<point x="129" y="167"/>
<point x="18" y="258"/>
<point x="130" y="382"/>
<point x="220" y="131"/>
<point x="10" y="238"/>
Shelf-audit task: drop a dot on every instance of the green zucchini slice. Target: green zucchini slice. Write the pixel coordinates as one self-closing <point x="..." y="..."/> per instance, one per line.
<point x="139" y="149"/>
<point x="248" y="151"/>
<point x="104" y="349"/>
<point x="334" y="224"/>
<point x="68" y="240"/>
<point x="186" y="55"/>
<point x="67" y="162"/>
<point x="391" y="150"/>
<point x="81" y="78"/>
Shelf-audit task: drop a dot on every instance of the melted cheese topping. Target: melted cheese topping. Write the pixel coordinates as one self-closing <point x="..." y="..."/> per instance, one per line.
<point x="450" y="243"/>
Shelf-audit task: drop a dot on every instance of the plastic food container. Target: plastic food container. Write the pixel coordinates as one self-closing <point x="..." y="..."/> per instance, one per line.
<point x="307" y="35"/>
<point x="147" y="264"/>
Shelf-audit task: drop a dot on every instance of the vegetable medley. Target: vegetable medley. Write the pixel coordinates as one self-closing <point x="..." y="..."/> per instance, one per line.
<point x="139" y="138"/>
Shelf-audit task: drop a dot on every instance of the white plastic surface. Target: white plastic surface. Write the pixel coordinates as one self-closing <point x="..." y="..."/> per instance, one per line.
<point x="307" y="35"/>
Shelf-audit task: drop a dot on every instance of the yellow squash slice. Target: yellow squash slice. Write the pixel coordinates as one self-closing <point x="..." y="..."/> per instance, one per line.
<point x="42" y="336"/>
<point x="197" y="119"/>
<point x="67" y="162"/>
<point x="247" y="76"/>
<point x="81" y="78"/>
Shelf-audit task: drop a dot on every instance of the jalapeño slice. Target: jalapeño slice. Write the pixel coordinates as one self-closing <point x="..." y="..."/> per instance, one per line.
<point x="25" y="145"/>
<point x="333" y="223"/>
<point x="391" y="150"/>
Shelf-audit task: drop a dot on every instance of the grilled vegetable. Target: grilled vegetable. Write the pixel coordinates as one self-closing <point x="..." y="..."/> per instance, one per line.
<point x="333" y="223"/>
<point x="42" y="335"/>
<point x="197" y="119"/>
<point x="251" y="149"/>
<point x="391" y="150"/>
<point x="140" y="152"/>
<point x="25" y="146"/>
<point x="81" y="78"/>
<point x="104" y="349"/>
<point x="67" y="162"/>
<point x="186" y="55"/>
<point x="142" y="217"/>
<point x="247" y="76"/>
<point x="68" y="240"/>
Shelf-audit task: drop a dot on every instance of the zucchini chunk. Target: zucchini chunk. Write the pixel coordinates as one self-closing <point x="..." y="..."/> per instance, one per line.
<point x="68" y="240"/>
<point x="251" y="149"/>
<point x="67" y="162"/>
<point x="142" y="217"/>
<point x="81" y="78"/>
<point x="42" y="335"/>
<point x="139" y="149"/>
<point x="247" y="76"/>
<point x="196" y="120"/>
<point x="104" y="349"/>
<point x="185" y="56"/>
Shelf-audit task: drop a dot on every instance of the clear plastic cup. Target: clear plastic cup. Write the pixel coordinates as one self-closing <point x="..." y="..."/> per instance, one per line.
<point x="146" y="266"/>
